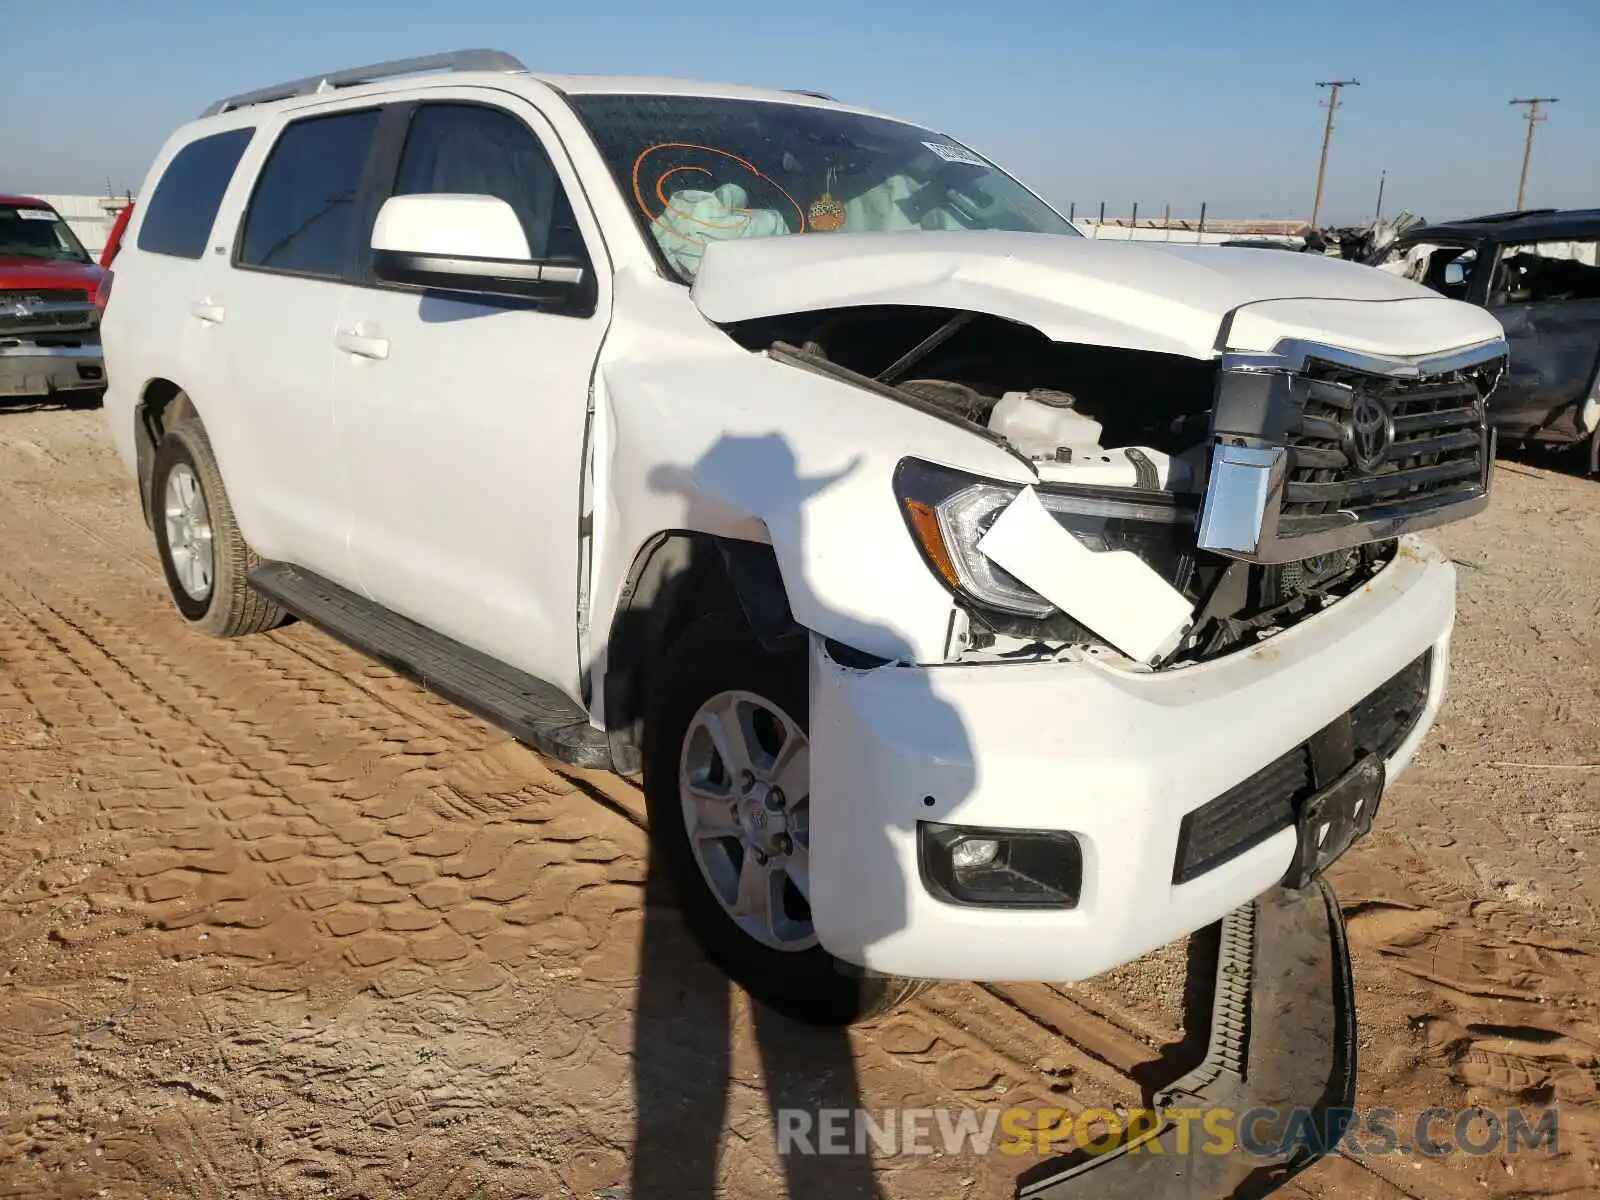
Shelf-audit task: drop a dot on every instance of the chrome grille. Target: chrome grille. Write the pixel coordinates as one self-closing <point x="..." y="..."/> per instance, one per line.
<point x="41" y="309"/>
<point x="1439" y="447"/>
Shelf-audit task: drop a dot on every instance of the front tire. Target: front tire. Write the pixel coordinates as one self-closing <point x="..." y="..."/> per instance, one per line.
<point x="727" y="785"/>
<point x="203" y="554"/>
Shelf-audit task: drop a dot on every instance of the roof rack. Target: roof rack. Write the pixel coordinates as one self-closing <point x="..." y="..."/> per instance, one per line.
<point x="453" y="61"/>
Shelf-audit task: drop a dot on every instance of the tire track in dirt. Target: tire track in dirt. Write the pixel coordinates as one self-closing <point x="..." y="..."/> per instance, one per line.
<point x="1051" y="1044"/>
<point x="265" y="782"/>
<point x="337" y="662"/>
<point x="1025" y="1000"/>
<point x="999" y="1051"/>
<point x="1493" y="1012"/>
<point x="313" y="780"/>
<point x="1015" y="1027"/>
<point x="38" y="1142"/>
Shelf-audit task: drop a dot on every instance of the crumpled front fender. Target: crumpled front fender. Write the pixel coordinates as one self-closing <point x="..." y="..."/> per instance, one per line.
<point x="740" y="446"/>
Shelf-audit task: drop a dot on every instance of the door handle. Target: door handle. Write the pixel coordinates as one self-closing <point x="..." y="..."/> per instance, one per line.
<point x="204" y="310"/>
<point x="362" y="345"/>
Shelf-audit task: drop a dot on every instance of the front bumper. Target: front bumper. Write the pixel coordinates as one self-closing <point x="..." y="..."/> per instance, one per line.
<point x="1115" y="756"/>
<point x="29" y="369"/>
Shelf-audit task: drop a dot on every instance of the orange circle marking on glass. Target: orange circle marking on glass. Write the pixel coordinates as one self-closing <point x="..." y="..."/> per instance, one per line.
<point x="661" y="182"/>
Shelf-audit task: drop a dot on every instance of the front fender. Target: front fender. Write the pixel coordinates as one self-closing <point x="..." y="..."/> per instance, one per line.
<point x="737" y="445"/>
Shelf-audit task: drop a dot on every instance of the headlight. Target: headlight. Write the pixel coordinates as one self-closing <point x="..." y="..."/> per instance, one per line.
<point x="948" y="512"/>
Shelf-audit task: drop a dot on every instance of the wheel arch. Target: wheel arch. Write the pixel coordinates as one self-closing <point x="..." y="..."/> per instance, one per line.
<point x="161" y="403"/>
<point x="678" y="577"/>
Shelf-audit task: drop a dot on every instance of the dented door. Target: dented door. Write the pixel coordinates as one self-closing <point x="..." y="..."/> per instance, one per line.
<point x="1547" y="295"/>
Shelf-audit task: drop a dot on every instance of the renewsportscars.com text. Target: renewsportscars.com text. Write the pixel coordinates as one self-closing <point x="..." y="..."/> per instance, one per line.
<point x="1262" y="1132"/>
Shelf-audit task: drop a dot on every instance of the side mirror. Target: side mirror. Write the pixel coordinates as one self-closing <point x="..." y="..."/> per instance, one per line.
<point x="1454" y="275"/>
<point x="471" y="244"/>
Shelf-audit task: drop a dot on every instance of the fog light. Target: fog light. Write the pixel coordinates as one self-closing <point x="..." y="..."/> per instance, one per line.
<point x="970" y="853"/>
<point x="1000" y="868"/>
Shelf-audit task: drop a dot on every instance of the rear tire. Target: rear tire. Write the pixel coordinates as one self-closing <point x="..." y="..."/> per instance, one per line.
<point x="719" y="667"/>
<point x="203" y="554"/>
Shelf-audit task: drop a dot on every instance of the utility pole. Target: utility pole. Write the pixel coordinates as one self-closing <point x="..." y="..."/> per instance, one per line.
<point x="1377" y="213"/>
<point x="1327" y="138"/>
<point x="1532" y="117"/>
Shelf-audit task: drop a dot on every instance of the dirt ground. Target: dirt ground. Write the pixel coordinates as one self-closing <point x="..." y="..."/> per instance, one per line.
<point x="276" y="923"/>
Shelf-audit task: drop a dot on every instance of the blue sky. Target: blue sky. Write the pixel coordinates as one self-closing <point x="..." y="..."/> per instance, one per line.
<point x="1119" y="102"/>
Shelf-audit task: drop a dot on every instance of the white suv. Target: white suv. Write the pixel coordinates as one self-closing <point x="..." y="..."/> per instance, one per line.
<point x="976" y="600"/>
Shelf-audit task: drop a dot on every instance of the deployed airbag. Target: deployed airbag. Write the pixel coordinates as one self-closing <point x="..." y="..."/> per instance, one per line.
<point x="694" y="218"/>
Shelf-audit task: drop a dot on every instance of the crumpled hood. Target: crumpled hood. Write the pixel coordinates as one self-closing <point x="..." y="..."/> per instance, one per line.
<point x="1140" y="296"/>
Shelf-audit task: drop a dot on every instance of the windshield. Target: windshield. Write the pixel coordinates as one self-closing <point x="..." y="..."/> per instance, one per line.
<point x="698" y="169"/>
<point x="31" y="232"/>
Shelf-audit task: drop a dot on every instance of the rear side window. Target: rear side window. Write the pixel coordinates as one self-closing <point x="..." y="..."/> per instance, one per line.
<point x="184" y="206"/>
<point x="303" y="214"/>
<point x="1539" y="272"/>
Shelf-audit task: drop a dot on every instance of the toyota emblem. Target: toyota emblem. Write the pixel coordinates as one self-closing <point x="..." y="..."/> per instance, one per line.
<point x="1368" y="434"/>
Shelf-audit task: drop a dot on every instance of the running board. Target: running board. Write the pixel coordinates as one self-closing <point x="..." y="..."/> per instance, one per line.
<point x="531" y="710"/>
<point x="1281" y="1061"/>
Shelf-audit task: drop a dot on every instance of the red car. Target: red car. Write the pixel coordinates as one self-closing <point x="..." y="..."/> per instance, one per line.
<point x="51" y="295"/>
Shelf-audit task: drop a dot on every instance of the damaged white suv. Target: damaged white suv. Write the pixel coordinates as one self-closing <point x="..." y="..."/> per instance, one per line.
<point x="976" y="600"/>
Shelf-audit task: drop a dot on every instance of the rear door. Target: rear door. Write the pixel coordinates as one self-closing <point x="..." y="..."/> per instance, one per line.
<point x="277" y="306"/>
<point x="149" y="332"/>
<point x="463" y="418"/>
<point x="1547" y="295"/>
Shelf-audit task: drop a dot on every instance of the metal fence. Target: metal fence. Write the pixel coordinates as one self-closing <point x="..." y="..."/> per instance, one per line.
<point x="1200" y="230"/>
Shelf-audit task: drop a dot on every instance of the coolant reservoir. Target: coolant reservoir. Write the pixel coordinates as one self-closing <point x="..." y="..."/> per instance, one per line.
<point x="1038" y="423"/>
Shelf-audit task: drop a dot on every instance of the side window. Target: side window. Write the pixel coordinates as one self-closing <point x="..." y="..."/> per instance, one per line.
<point x="469" y="149"/>
<point x="302" y="217"/>
<point x="182" y="209"/>
<point x="1538" y="272"/>
<point x="1449" y="271"/>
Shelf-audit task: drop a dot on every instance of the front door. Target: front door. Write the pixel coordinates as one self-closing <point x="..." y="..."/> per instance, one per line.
<point x="462" y="420"/>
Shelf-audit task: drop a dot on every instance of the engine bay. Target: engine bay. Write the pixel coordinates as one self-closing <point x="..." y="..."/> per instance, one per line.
<point x="965" y="365"/>
<point x="1082" y="417"/>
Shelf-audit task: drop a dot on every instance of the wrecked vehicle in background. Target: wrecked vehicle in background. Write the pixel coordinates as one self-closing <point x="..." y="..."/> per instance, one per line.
<point x="1370" y="243"/>
<point x="50" y="299"/>
<point x="1538" y="273"/>
<point x="976" y="600"/>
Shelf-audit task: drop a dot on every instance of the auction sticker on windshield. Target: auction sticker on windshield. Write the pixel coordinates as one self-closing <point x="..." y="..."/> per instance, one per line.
<point x="36" y="214"/>
<point x="955" y="154"/>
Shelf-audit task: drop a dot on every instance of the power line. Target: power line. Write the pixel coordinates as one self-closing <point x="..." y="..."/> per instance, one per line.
<point x="1533" y="116"/>
<point x="1327" y="138"/>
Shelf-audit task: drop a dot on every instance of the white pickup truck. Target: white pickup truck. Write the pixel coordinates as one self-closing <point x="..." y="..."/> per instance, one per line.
<point x="976" y="600"/>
